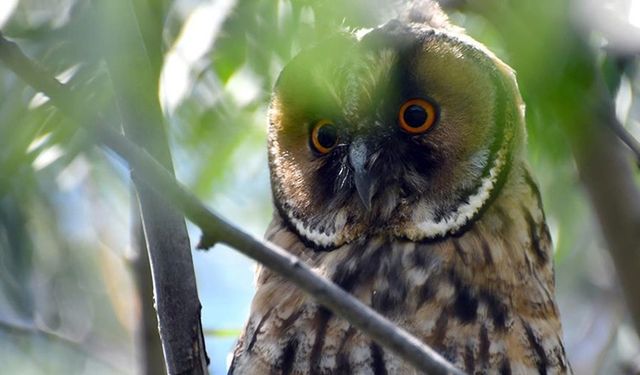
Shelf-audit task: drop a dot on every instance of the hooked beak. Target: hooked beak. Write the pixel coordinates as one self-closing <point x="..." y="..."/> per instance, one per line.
<point x="363" y="179"/>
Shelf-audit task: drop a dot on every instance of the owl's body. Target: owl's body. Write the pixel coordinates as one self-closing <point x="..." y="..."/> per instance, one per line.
<point x="398" y="172"/>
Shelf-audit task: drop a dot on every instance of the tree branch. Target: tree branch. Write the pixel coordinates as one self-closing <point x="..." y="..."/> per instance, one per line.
<point x="165" y="231"/>
<point x="607" y="173"/>
<point x="624" y="136"/>
<point x="152" y="174"/>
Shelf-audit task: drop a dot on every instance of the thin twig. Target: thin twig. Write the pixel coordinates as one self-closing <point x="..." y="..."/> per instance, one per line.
<point x="152" y="174"/>
<point x="622" y="62"/>
<point x="625" y="137"/>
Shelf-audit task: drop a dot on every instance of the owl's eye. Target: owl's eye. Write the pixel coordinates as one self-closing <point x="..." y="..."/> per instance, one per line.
<point x="324" y="136"/>
<point x="417" y="116"/>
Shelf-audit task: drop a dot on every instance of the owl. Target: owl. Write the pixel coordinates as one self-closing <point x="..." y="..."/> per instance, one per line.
<point x="398" y="171"/>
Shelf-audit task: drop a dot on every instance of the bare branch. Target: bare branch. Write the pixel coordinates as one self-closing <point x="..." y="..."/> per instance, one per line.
<point x="165" y="230"/>
<point x="152" y="174"/>
<point x="625" y="137"/>
<point x="621" y="62"/>
<point x="607" y="174"/>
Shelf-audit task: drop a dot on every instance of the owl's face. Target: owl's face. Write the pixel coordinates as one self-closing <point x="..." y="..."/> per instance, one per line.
<point x="404" y="131"/>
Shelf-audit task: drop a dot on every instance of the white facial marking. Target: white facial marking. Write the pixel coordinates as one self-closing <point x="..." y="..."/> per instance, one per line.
<point x="314" y="235"/>
<point x="429" y="228"/>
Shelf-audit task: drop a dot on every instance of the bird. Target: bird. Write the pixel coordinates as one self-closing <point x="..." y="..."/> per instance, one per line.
<point x="398" y="168"/>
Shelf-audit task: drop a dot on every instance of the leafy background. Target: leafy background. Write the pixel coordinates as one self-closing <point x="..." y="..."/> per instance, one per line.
<point x="68" y="302"/>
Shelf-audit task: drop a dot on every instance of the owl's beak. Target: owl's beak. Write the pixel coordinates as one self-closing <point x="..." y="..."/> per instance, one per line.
<point x="358" y="156"/>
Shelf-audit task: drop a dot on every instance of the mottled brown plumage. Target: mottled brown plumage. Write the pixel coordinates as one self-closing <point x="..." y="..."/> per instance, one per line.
<point x="441" y="230"/>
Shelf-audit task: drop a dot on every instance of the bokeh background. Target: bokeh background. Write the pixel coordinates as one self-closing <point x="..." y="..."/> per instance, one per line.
<point x="69" y="303"/>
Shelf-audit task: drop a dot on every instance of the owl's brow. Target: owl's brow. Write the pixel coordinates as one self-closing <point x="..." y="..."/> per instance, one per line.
<point x="371" y="69"/>
<point x="353" y="83"/>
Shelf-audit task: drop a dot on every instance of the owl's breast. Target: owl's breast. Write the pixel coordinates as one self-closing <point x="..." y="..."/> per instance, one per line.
<point x="484" y="300"/>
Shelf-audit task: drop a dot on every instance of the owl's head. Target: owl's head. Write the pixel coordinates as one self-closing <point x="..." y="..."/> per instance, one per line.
<point x="407" y="130"/>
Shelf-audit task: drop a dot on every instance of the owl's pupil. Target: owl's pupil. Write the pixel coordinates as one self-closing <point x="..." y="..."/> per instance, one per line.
<point x="327" y="136"/>
<point x="415" y="116"/>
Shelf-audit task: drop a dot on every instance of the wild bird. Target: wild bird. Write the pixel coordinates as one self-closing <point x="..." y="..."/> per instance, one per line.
<point x="398" y="171"/>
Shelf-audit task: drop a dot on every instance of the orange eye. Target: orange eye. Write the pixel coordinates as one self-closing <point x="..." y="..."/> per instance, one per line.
<point x="324" y="136"/>
<point x="417" y="116"/>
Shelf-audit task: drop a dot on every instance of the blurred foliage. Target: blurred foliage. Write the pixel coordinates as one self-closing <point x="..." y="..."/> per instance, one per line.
<point x="67" y="301"/>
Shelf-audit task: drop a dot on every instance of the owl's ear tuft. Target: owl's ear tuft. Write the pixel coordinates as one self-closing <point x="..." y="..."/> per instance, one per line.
<point x="426" y="12"/>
